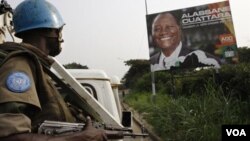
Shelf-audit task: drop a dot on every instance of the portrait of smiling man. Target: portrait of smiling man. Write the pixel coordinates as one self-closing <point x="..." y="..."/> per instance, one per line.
<point x="167" y="36"/>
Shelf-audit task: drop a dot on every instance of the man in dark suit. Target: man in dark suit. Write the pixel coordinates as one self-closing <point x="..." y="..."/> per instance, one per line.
<point x="166" y="34"/>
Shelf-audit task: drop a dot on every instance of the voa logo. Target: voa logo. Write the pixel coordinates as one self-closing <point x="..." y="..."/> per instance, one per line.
<point x="236" y="132"/>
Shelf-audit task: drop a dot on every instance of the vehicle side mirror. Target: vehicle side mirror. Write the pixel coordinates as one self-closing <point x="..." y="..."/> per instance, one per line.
<point x="127" y="119"/>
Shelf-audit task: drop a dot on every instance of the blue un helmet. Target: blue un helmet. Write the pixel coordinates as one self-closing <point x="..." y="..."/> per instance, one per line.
<point x="33" y="14"/>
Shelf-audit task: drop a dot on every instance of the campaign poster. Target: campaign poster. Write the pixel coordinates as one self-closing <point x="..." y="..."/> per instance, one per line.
<point x="200" y="36"/>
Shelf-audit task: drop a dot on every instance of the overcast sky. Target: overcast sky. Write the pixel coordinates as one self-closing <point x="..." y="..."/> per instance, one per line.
<point x="102" y="34"/>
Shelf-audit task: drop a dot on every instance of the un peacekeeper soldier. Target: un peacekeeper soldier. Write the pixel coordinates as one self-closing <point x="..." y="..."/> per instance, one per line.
<point x="27" y="95"/>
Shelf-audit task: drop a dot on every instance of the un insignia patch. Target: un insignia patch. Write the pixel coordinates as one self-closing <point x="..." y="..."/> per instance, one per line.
<point x="18" y="82"/>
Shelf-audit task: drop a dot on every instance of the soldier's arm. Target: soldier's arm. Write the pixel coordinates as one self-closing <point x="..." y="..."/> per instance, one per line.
<point x="16" y="108"/>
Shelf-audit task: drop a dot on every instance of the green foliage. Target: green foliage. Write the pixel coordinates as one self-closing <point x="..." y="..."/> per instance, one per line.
<point x="235" y="80"/>
<point x="195" y="117"/>
<point x="244" y="54"/>
<point x="75" y="65"/>
<point x="136" y="100"/>
<point x="143" y="83"/>
<point x="137" y="69"/>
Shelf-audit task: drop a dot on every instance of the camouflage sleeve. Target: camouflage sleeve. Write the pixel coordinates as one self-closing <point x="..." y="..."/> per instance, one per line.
<point x="17" y="82"/>
<point x="13" y="119"/>
<point x="18" y="96"/>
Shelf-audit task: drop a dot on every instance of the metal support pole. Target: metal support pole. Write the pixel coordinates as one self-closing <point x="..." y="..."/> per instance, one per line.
<point x="173" y="84"/>
<point x="153" y="87"/>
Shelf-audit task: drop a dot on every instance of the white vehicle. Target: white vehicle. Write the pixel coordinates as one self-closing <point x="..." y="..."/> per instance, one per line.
<point x="95" y="87"/>
<point x="102" y="88"/>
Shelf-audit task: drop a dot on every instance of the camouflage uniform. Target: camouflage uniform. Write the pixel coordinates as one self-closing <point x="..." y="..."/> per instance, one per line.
<point x="27" y="94"/>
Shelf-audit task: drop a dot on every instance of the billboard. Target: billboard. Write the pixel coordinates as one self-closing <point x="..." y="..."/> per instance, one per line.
<point x="192" y="37"/>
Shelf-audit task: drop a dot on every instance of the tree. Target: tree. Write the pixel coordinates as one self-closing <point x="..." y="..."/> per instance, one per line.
<point x="244" y="54"/>
<point x="75" y="65"/>
<point x="138" y="67"/>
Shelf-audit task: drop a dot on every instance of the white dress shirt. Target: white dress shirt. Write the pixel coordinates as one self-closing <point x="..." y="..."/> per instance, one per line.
<point x="166" y="62"/>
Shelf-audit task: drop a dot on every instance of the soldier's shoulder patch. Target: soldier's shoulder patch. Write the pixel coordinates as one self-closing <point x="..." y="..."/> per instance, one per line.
<point x="18" y="82"/>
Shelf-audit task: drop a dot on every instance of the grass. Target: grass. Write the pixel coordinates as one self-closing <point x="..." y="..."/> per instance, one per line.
<point x="191" y="118"/>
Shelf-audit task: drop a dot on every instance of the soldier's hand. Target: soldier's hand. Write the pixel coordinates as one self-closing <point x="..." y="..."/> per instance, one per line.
<point x="92" y="134"/>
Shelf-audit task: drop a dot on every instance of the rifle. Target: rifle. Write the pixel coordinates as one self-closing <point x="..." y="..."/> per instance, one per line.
<point x="54" y="128"/>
